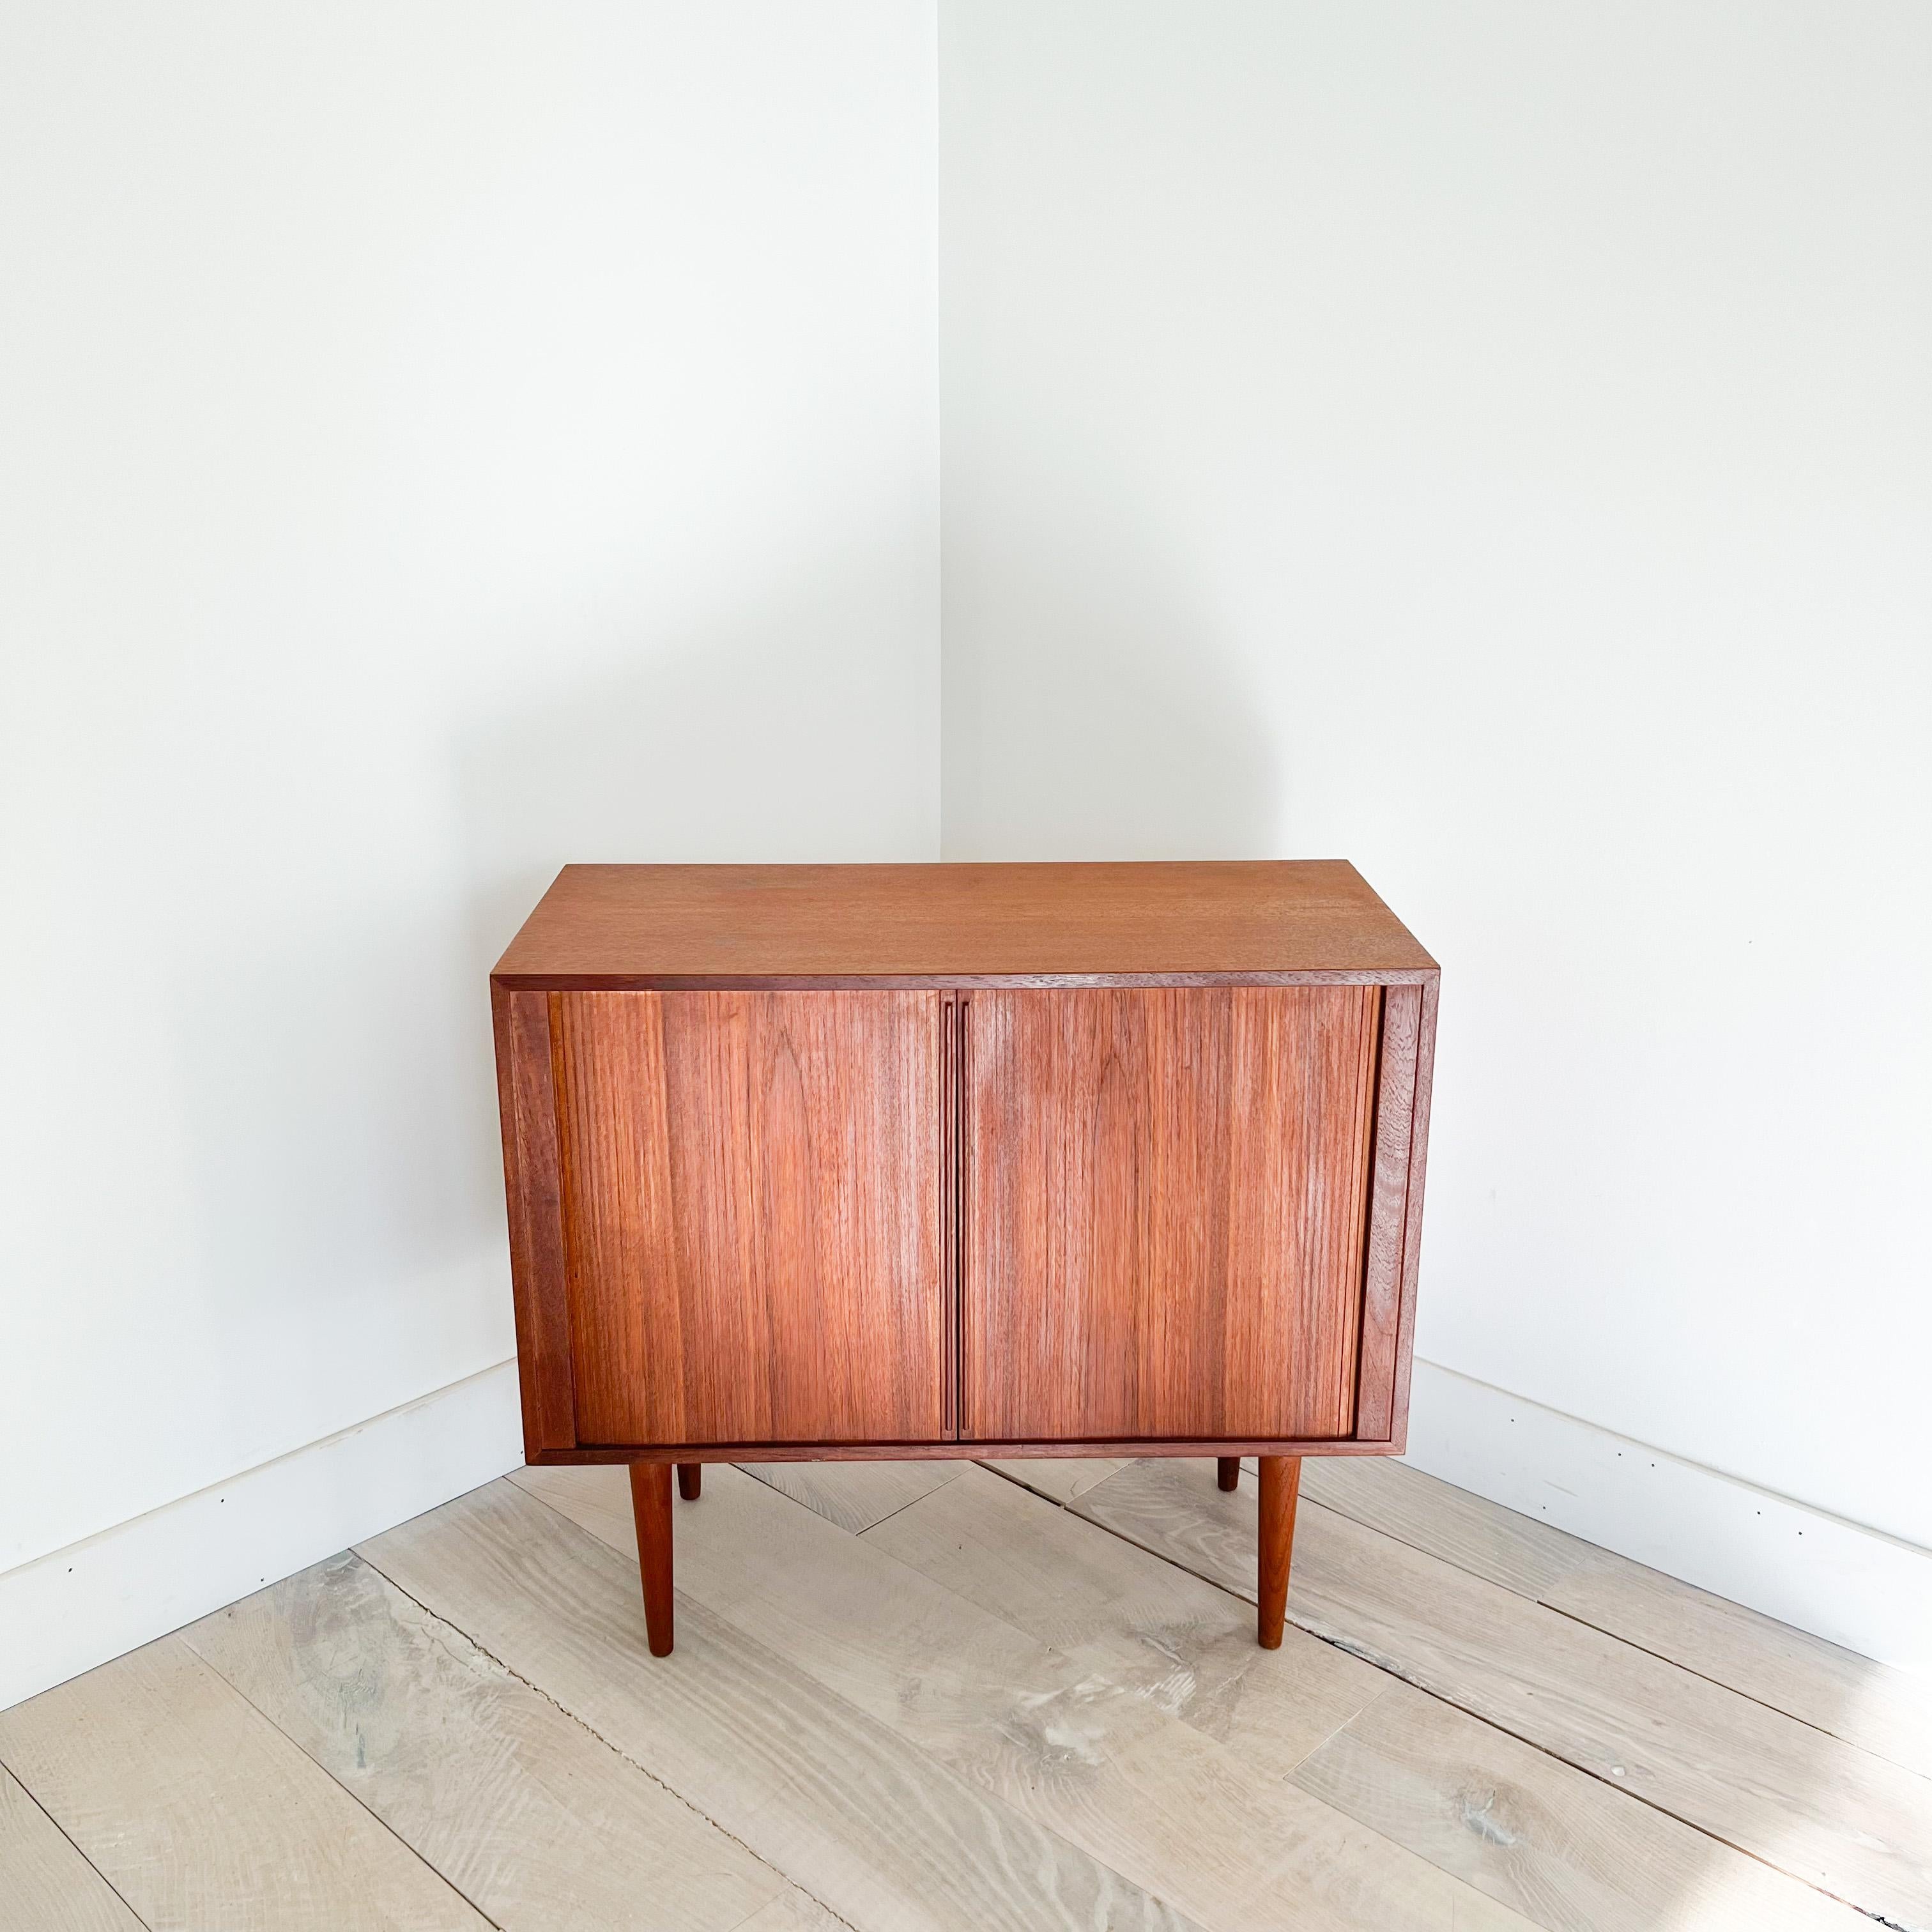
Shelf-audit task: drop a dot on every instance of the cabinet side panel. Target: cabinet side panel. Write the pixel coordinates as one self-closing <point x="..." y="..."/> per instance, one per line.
<point x="526" y="1100"/>
<point x="1165" y="1224"/>
<point x="1388" y="1203"/>
<point x="1412" y="1245"/>
<point x="754" y="1195"/>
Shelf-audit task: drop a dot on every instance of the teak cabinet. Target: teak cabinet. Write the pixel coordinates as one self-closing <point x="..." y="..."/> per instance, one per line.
<point x="826" y="1161"/>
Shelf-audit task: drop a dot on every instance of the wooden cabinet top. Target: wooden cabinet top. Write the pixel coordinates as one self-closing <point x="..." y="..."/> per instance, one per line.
<point x="1191" y="922"/>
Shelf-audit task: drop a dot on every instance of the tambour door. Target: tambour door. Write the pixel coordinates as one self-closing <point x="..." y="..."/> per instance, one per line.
<point x="1164" y="1211"/>
<point x="752" y="1195"/>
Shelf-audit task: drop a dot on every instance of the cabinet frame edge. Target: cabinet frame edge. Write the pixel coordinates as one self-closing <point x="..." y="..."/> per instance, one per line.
<point x="533" y="1187"/>
<point x="942" y="1451"/>
<point x="948" y="983"/>
<point x="1412" y="1245"/>
<point x="522" y="1022"/>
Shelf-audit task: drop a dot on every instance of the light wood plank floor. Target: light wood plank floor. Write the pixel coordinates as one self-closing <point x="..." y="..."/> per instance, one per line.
<point x="950" y="1696"/>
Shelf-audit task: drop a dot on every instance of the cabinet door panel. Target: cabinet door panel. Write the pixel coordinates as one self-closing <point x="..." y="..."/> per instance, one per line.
<point x="1164" y="1221"/>
<point x="751" y="1186"/>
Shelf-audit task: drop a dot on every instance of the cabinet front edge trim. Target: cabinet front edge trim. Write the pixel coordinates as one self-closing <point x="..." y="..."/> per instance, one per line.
<point x="941" y="982"/>
<point x="939" y="1451"/>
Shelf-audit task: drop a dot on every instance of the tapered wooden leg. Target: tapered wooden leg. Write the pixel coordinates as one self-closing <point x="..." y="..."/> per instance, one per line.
<point x="1228" y="1472"/>
<point x="1281" y="1481"/>
<point x="690" y="1481"/>
<point x="650" y="1503"/>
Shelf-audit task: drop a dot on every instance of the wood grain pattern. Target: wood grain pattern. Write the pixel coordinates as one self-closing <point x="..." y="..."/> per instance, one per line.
<point x="952" y="1026"/>
<point x="1836" y="1817"/>
<point x="650" y="1511"/>
<point x="544" y="1821"/>
<point x="526" y="1098"/>
<point x="855" y="1495"/>
<point x="887" y="1837"/>
<point x="753" y="1221"/>
<point x="1186" y="1646"/>
<point x="536" y="1820"/>
<point x="1102" y="1769"/>
<point x="1274" y="1533"/>
<point x="675" y="926"/>
<point x="1461" y="1529"/>
<point x="1558" y="1846"/>
<point x="1412" y="1236"/>
<point x="794" y="1912"/>
<point x="1563" y="1848"/>
<point x="1388" y="1213"/>
<point x="1164" y="1213"/>
<point x="204" y="1817"/>
<point x="752" y="1184"/>
<point x="1061" y="1477"/>
<point x="1115" y="1448"/>
<point x="1886" y="1711"/>
<point x="45" y="1885"/>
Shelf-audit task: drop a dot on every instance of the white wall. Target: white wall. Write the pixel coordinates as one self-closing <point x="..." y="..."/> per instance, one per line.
<point x="438" y="442"/>
<point x="1494" y="442"/>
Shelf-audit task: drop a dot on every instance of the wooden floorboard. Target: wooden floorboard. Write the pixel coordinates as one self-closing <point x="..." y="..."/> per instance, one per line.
<point x="1468" y="1532"/>
<point x="935" y="1697"/>
<point x="45" y="1885"/>
<point x="1564" y="1848"/>
<point x="1853" y="1824"/>
<point x="794" y="1912"/>
<point x="1884" y="1711"/>
<point x="1062" y="1477"/>
<point x="1559" y="1846"/>
<point x="1089" y="1760"/>
<point x="204" y="1817"/>
<point x="1182" y="1643"/>
<point x="887" y="1838"/>
<point x="855" y="1495"/>
<point x="1888" y="1712"/>
<point x="537" y="1821"/>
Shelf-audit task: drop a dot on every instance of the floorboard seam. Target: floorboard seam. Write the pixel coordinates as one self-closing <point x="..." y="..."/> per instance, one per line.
<point x="751" y="1469"/>
<point x="1295" y="1769"/>
<point x="1387" y="1666"/>
<point x="890" y="1513"/>
<point x="1762" y="1703"/>
<point x="642" y="1770"/>
<point x="1603" y="1629"/>
<point x="356" y="1797"/>
<point x="33" y="1799"/>
<point x="1020" y="1482"/>
<point x="1434" y="1555"/>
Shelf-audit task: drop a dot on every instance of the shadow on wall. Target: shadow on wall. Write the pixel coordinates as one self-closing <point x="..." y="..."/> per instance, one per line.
<point x="780" y="733"/>
<point x="1123" y="730"/>
<point x="340" y="1103"/>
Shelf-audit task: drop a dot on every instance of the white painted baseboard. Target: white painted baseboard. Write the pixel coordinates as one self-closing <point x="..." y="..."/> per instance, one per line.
<point x="1858" y="1587"/>
<point x="64" y="1612"/>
